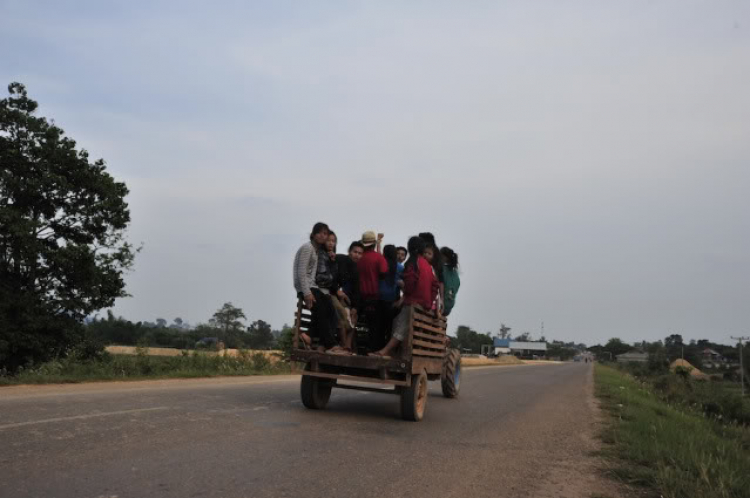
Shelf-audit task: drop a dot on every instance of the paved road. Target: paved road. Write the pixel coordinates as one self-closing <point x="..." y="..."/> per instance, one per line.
<point x="514" y="431"/>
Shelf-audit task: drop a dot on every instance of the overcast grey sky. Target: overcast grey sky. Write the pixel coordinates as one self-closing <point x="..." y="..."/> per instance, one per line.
<point x="589" y="161"/>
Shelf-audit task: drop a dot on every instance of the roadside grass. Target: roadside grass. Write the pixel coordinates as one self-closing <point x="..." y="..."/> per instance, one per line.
<point x="672" y="450"/>
<point x="141" y="366"/>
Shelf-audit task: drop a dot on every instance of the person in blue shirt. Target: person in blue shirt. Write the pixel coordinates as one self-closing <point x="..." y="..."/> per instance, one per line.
<point x="389" y="295"/>
<point x="390" y="286"/>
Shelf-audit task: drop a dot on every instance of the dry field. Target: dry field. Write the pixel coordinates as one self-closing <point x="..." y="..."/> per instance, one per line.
<point x="131" y="350"/>
<point x="502" y="360"/>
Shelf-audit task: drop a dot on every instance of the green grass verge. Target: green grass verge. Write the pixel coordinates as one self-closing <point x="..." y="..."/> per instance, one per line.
<point x="122" y="367"/>
<point x="673" y="451"/>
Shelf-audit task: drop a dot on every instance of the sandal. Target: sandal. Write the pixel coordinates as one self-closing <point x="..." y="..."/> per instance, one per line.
<point x="375" y="354"/>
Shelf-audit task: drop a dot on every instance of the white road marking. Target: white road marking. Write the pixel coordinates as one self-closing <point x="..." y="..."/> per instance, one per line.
<point x="81" y="417"/>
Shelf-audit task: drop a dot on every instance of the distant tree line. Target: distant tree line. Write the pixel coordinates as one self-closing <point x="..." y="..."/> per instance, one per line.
<point x="225" y="326"/>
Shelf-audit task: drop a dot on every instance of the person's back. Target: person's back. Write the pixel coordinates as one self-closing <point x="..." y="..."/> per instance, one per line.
<point x="371" y="267"/>
<point x="452" y="283"/>
<point x="451" y="279"/>
<point x="420" y="287"/>
<point x="389" y="291"/>
<point x="389" y="284"/>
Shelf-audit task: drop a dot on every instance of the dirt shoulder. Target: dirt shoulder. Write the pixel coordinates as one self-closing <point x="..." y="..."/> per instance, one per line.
<point x="580" y="472"/>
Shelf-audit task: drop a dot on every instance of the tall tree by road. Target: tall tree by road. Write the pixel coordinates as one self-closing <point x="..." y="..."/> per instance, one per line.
<point x="62" y="225"/>
<point x="228" y="321"/>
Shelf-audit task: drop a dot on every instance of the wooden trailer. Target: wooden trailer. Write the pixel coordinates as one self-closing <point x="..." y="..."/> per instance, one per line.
<point x="423" y="356"/>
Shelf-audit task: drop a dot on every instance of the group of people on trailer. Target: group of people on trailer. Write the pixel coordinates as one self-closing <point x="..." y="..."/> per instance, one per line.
<point x="374" y="285"/>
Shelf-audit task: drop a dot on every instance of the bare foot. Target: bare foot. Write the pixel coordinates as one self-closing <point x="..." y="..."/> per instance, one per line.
<point x="338" y="350"/>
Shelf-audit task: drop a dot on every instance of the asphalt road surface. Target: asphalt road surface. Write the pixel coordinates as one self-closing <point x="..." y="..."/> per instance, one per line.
<point x="513" y="431"/>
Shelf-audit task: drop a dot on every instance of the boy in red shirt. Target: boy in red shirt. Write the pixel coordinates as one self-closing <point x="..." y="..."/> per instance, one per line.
<point x="420" y="287"/>
<point x="373" y="268"/>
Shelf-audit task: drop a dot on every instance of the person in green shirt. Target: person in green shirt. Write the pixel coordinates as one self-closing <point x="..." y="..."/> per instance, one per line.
<point x="450" y="278"/>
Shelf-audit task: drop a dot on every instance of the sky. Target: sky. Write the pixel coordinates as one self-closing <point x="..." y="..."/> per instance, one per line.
<point x="588" y="161"/>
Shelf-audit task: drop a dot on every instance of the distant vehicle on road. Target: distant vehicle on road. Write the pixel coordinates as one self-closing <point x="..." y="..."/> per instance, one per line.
<point x="424" y="356"/>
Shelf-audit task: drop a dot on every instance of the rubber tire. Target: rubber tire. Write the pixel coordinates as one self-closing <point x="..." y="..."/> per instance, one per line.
<point x="315" y="392"/>
<point x="414" y="398"/>
<point x="450" y="380"/>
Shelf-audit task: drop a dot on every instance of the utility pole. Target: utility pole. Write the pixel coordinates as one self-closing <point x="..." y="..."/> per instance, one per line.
<point x="742" y="368"/>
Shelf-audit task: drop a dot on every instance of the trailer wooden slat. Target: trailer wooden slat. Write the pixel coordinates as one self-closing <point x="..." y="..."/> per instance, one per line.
<point x="424" y="352"/>
<point x="297" y="317"/>
<point x="383" y="390"/>
<point x="429" y="345"/>
<point x="429" y="317"/>
<point x="374" y="363"/>
<point x="420" y="325"/>
<point x="439" y="339"/>
<point x="356" y="378"/>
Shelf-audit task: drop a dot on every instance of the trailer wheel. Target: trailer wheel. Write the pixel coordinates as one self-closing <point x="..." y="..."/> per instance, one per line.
<point x="414" y="398"/>
<point x="450" y="380"/>
<point x="315" y="392"/>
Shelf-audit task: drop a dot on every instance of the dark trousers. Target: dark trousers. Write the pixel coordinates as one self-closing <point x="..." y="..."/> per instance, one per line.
<point x="323" y="315"/>
<point x="378" y="317"/>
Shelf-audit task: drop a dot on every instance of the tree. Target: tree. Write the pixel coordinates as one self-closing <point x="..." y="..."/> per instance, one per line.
<point x="228" y="321"/>
<point x="228" y="317"/>
<point x="558" y="349"/>
<point x="466" y="338"/>
<point x="525" y="337"/>
<point x="676" y="348"/>
<point x="673" y="340"/>
<point x="286" y="338"/>
<point x="616" y="346"/>
<point x="62" y="225"/>
<point x="504" y="331"/>
<point x="259" y="335"/>
<point x="161" y="322"/>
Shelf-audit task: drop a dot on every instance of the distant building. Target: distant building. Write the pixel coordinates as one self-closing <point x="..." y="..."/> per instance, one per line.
<point x="521" y="349"/>
<point x="711" y="358"/>
<point x="632" y="357"/>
